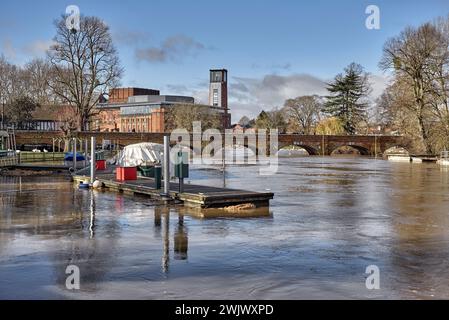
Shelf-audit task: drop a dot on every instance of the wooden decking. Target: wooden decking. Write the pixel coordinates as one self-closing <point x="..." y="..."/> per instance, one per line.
<point x="43" y="167"/>
<point x="424" y="158"/>
<point x="192" y="195"/>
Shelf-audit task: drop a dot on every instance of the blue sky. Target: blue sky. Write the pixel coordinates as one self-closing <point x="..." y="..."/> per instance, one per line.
<point x="272" y="49"/>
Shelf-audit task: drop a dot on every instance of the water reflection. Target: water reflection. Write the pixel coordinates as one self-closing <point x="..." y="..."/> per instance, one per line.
<point x="166" y="240"/>
<point x="180" y="236"/>
<point x="181" y="240"/>
<point x="92" y="215"/>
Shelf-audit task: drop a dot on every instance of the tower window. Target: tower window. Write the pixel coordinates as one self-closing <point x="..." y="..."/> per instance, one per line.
<point x="216" y="76"/>
<point x="215" y="97"/>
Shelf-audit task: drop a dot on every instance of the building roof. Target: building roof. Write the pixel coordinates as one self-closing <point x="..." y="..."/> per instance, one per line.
<point x="50" y="112"/>
<point x="148" y="100"/>
<point x="159" y="98"/>
<point x="134" y="104"/>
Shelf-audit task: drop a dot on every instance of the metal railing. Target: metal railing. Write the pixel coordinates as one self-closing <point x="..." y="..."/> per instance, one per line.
<point x="8" y="160"/>
<point x="444" y="155"/>
<point x="33" y="125"/>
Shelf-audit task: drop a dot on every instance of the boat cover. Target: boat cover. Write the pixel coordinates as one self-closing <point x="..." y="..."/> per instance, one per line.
<point x="141" y="154"/>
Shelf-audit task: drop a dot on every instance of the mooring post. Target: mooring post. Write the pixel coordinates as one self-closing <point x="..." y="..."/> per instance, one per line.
<point x="322" y="146"/>
<point x="167" y="166"/>
<point x="92" y="159"/>
<point x="375" y="146"/>
<point x="74" y="155"/>
<point x="86" y="151"/>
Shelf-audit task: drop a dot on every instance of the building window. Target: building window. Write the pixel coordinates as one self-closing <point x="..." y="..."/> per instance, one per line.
<point x="215" y="97"/>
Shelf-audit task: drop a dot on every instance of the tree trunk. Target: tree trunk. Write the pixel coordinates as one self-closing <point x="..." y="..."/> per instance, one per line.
<point x="424" y="134"/>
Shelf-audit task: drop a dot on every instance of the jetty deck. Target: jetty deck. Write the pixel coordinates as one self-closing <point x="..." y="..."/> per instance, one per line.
<point x="193" y="195"/>
<point x="424" y="158"/>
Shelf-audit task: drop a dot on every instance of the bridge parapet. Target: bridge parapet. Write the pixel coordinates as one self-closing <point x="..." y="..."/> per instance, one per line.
<point x="314" y="144"/>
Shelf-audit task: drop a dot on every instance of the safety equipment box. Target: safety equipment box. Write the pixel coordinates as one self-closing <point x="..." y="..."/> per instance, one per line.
<point x="100" y="165"/>
<point x="126" y="173"/>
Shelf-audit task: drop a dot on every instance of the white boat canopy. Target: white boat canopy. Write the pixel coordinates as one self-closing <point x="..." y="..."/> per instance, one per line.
<point x="141" y="154"/>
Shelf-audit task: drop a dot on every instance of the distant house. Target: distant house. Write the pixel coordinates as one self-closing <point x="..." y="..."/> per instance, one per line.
<point x="238" y="128"/>
<point x="51" y="117"/>
<point x="382" y="129"/>
<point x="45" y="118"/>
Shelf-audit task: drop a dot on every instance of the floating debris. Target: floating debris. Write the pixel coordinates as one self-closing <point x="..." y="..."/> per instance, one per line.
<point x="241" y="207"/>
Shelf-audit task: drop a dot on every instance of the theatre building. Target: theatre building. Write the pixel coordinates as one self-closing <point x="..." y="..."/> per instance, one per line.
<point x="143" y="110"/>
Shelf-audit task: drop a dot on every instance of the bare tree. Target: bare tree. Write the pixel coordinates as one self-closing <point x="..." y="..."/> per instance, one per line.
<point x="21" y="110"/>
<point x="85" y="65"/>
<point x="5" y="85"/>
<point x="438" y="77"/>
<point x="397" y="110"/>
<point x="13" y="85"/>
<point x="182" y="116"/>
<point x="411" y="55"/>
<point x="38" y="75"/>
<point x="304" y="112"/>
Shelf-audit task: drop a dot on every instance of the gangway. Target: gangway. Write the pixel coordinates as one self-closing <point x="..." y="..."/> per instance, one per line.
<point x="8" y="148"/>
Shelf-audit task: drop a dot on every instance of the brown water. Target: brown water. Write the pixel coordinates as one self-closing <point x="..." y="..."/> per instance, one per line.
<point x="330" y="219"/>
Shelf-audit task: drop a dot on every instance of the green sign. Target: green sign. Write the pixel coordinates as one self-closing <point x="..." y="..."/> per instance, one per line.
<point x="182" y="165"/>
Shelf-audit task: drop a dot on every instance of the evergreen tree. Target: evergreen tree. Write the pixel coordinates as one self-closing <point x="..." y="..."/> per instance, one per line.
<point x="347" y="99"/>
<point x="273" y="119"/>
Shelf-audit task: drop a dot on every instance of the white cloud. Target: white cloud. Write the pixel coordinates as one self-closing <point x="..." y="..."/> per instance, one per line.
<point x="249" y="96"/>
<point x="8" y="49"/>
<point x="201" y="96"/>
<point x="37" y="48"/>
<point x="378" y="84"/>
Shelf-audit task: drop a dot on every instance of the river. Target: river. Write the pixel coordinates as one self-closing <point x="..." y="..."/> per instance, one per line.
<point x="331" y="218"/>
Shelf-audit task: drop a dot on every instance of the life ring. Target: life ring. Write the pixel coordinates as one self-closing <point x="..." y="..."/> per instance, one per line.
<point x="83" y="185"/>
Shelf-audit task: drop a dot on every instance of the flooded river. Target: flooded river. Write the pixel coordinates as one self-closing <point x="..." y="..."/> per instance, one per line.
<point x="329" y="220"/>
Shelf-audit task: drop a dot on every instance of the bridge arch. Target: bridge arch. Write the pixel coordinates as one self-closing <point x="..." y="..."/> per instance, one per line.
<point x="361" y="149"/>
<point x="396" y="150"/>
<point x="309" y="149"/>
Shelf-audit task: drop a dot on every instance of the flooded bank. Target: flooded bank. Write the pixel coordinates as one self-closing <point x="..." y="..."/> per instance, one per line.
<point x="329" y="220"/>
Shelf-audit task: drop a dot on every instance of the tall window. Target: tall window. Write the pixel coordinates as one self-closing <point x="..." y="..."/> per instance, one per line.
<point x="215" y="97"/>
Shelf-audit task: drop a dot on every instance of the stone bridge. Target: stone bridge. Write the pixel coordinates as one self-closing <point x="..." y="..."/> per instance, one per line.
<point x="313" y="144"/>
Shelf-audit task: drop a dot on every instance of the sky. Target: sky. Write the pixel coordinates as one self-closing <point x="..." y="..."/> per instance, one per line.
<point x="273" y="50"/>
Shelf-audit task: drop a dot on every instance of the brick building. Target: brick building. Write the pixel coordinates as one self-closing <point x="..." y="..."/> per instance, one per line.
<point x="121" y="95"/>
<point x="136" y="113"/>
<point x="143" y="110"/>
